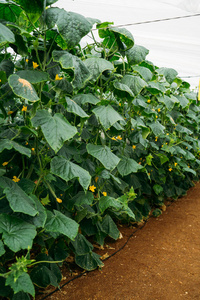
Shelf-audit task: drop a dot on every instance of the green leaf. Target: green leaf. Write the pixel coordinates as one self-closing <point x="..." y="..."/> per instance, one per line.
<point x="144" y="72"/>
<point x="56" y="129"/>
<point x="107" y="115"/>
<point x="127" y="166"/>
<point x="18" y="200"/>
<point x="6" y="35"/>
<point x="9" y="11"/>
<point x="58" y="222"/>
<point x="157" y="128"/>
<point x="43" y="276"/>
<point x="157" y="189"/>
<point x="80" y="199"/>
<point x="169" y="73"/>
<point x="33" y="76"/>
<point x="75" y="108"/>
<point x="21" y="296"/>
<point x="82" y="99"/>
<point x="110" y="228"/>
<point x="40" y="219"/>
<point x="67" y="170"/>
<point x="183" y="101"/>
<point x="97" y="66"/>
<point x="72" y="62"/>
<point x="81" y="245"/>
<point x="135" y="83"/>
<point x="125" y="36"/>
<point x="122" y="90"/>
<point x="8" y="144"/>
<point x="17" y="234"/>
<point x="155" y="88"/>
<point x="22" y="283"/>
<point x="89" y="261"/>
<point x="22" y="88"/>
<point x="136" y="54"/>
<point x="104" y="155"/>
<point x="107" y="201"/>
<point x="2" y="250"/>
<point x="168" y="101"/>
<point x="72" y="27"/>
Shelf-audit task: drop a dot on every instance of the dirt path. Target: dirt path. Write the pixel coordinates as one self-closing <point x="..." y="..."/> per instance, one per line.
<point x="160" y="262"/>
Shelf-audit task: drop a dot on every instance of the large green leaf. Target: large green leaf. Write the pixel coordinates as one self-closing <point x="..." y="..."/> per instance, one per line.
<point x="157" y="128"/>
<point x="81" y="245"/>
<point x="107" y="201"/>
<point x="122" y="90"/>
<point x="155" y="88"/>
<point x="18" y="200"/>
<point x="135" y="83"/>
<point x="6" y="36"/>
<point x="168" y="101"/>
<point x="22" y="283"/>
<point x="9" y="11"/>
<point x="81" y="99"/>
<point x="75" y="108"/>
<point x="22" y="88"/>
<point x="42" y="276"/>
<point x="97" y="66"/>
<point x="89" y="261"/>
<point x="56" y="129"/>
<point x="67" y="170"/>
<point x="8" y="144"/>
<point x="80" y="199"/>
<point x="144" y="72"/>
<point x="72" y="27"/>
<point x="104" y="155"/>
<point x="33" y="76"/>
<point x="136" y="54"/>
<point x="125" y="36"/>
<point x="110" y="228"/>
<point x="107" y="115"/>
<point x="33" y="8"/>
<point x="182" y="100"/>
<point x="17" y="234"/>
<point x="58" y="222"/>
<point x="72" y="62"/>
<point x="127" y="166"/>
<point x="169" y="73"/>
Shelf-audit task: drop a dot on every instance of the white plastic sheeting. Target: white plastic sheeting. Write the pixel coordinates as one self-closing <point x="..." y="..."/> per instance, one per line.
<point x="172" y="43"/>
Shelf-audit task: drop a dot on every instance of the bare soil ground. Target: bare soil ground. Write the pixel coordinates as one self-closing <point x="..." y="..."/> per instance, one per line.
<point x="160" y="262"/>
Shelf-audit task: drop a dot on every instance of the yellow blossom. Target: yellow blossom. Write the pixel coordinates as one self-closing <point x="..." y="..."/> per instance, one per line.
<point x="149" y="174"/>
<point x="27" y="60"/>
<point x="156" y="117"/>
<point x="26" y="143"/>
<point x="0" y="80"/>
<point x="175" y="164"/>
<point x="167" y="133"/>
<point x="104" y="193"/>
<point x="170" y="169"/>
<point x="58" y="78"/>
<point x="159" y="109"/>
<point x="33" y="149"/>
<point x="132" y="128"/>
<point x="92" y="188"/>
<point x="113" y="138"/>
<point x="119" y="137"/>
<point x="4" y="164"/>
<point x="10" y="112"/>
<point x="148" y="101"/>
<point x="15" y="179"/>
<point x="165" y="143"/>
<point x="120" y="104"/>
<point x="59" y="200"/>
<point x="186" y="148"/>
<point x="133" y="147"/>
<point x="156" y="139"/>
<point x="96" y="178"/>
<point x="35" y="65"/>
<point x="188" y="166"/>
<point x="24" y="108"/>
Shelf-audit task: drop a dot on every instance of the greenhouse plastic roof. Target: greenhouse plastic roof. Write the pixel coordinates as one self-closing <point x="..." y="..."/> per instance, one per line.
<point x="173" y="43"/>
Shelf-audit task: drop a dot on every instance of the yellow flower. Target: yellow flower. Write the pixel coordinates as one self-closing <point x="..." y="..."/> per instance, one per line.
<point x="149" y="174"/>
<point x="15" y="179"/>
<point x="58" y="78"/>
<point x="170" y="169"/>
<point x="159" y="109"/>
<point x="33" y="149"/>
<point x="156" y="117"/>
<point x="175" y="164"/>
<point x="59" y="200"/>
<point x="113" y="138"/>
<point x="132" y="128"/>
<point x="119" y="137"/>
<point x="156" y="140"/>
<point x="148" y="101"/>
<point x="92" y="188"/>
<point x="186" y="148"/>
<point x="104" y="193"/>
<point x="0" y="80"/>
<point x="24" y="108"/>
<point x="120" y="104"/>
<point x="167" y="133"/>
<point x="26" y="143"/>
<point x="96" y="178"/>
<point x="188" y="166"/>
<point x="35" y="65"/>
<point x="165" y="143"/>
<point x="27" y="60"/>
<point x="133" y="147"/>
<point x="5" y="164"/>
<point x="10" y="112"/>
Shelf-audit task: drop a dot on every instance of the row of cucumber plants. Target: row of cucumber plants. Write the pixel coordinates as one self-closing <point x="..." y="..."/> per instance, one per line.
<point x="89" y="136"/>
